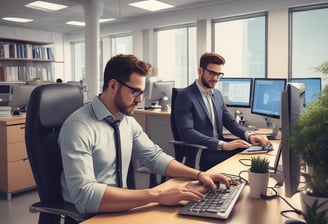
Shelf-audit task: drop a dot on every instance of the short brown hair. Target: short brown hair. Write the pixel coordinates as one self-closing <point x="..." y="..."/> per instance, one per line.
<point x="121" y="66"/>
<point x="211" y="58"/>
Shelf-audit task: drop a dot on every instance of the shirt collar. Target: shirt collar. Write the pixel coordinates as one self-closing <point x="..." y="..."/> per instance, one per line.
<point x="100" y="110"/>
<point x="203" y="91"/>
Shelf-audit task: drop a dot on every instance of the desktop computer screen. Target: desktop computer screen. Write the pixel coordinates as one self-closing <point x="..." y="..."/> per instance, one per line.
<point x="161" y="93"/>
<point x="312" y="88"/>
<point x="267" y="96"/>
<point x="267" y="101"/>
<point x="236" y="92"/>
<point x="292" y="101"/>
<point x="21" y="95"/>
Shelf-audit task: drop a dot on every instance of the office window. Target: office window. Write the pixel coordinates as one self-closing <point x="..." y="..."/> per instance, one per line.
<point x="176" y="54"/>
<point x="78" y="58"/>
<point x="309" y="33"/>
<point x="242" y="41"/>
<point x="121" y="45"/>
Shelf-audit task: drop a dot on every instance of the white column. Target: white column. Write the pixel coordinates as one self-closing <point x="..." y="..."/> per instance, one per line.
<point x="203" y="37"/>
<point x="93" y="10"/>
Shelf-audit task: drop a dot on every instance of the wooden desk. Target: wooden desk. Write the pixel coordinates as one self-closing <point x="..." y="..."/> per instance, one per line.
<point x="156" y="124"/>
<point x="15" y="170"/>
<point x="246" y="211"/>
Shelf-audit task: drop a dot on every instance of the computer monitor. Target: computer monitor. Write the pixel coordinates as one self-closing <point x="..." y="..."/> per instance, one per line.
<point x="21" y="95"/>
<point x="161" y="94"/>
<point x="150" y="80"/>
<point x="312" y="88"/>
<point x="292" y="105"/>
<point x="236" y="92"/>
<point x="267" y="100"/>
<point x="5" y="94"/>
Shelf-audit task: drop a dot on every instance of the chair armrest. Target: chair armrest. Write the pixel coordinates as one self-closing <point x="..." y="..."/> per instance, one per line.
<point x="187" y="144"/>
<point x="61" y="209"/>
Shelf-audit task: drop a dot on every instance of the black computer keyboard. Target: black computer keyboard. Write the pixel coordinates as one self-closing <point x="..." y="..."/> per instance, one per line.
<point x="217" y="204"/>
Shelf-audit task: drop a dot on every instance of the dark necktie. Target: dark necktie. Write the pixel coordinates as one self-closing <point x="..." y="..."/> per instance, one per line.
<point x="115" y="125"/>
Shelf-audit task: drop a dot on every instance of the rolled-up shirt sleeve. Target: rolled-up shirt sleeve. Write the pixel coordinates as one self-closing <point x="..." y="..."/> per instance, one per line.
<point x="80" y="184"/>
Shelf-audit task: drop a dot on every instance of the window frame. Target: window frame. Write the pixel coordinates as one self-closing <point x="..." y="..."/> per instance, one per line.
<point x="241" y="17"/>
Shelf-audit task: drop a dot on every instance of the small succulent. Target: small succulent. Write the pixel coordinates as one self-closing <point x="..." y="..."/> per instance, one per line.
<point x="259" y="165"/>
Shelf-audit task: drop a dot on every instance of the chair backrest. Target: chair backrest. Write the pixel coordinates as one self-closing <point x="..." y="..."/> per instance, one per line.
<point x="48" y="107"/>
<point x="183" y="153"/>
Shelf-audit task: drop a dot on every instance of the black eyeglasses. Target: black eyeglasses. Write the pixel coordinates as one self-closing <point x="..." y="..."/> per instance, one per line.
<point x="213" y="73"/>
<point x="136" y="92"/>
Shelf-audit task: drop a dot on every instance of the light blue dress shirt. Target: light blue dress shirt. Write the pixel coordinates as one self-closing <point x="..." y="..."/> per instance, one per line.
<point x="88" y="152"/>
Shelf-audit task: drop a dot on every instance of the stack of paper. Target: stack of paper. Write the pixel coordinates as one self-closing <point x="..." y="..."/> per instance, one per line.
<point x="5" y="111"/>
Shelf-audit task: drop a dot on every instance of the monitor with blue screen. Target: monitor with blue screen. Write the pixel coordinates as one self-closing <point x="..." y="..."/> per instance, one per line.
<point x="267" y="101"/>
<point x="236" y="92"/>
<point x="312" y="87"/>
<point x="267" y="96"/>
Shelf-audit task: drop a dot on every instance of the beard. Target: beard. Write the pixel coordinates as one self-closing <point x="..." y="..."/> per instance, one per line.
<point x="208" y="84"/>
<point x="127" y="109"/>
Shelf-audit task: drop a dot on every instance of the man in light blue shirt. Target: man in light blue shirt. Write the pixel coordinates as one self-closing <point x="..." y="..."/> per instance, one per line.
<point x="90" y="174"/>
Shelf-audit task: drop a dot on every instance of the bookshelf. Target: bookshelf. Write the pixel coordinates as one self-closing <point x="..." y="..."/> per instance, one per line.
<point x="24" y="60"/>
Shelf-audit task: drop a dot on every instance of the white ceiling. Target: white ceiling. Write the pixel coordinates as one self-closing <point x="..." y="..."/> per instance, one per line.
<point x="55" y="21"/>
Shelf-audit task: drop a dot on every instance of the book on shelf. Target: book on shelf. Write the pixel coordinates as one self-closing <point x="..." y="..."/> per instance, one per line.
<point x="24" y="73"/>
<point x="25" y="50"/>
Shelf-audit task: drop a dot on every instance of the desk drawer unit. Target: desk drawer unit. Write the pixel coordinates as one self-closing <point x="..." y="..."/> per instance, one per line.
<point x="15" y="170"/>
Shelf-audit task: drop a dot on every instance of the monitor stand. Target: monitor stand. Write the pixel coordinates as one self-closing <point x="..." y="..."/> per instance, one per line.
<point x="275" y="129"/>
<point x="165" y="104"/>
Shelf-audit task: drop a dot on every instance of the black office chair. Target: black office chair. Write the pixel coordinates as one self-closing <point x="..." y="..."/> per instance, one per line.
<point x="48" y="107"/>
<point x="189" y="154"/>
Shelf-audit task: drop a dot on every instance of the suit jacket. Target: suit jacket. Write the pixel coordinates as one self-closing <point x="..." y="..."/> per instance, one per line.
<point x="194" y="124"/>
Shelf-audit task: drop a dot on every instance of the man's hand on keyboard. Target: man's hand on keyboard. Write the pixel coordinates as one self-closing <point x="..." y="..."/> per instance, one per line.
<point x="208" y="180"/>
<point x="173" y="196"/>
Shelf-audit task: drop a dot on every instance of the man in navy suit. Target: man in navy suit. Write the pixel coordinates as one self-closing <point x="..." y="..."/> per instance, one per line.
<point x="201" y="114"/>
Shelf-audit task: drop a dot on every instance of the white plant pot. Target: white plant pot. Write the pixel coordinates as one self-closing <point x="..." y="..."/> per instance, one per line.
<point x="309" y="200"/>
<point x="258" y="184"/>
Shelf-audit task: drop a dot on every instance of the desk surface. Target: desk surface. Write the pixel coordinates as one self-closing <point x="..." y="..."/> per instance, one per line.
<point x="157" y="112"/>
<point x="247" y="210"/>
<point x="12" y="120"/>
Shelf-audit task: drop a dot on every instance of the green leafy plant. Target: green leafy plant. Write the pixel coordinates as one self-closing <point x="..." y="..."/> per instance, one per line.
<point x="259" y="165"/>
<point x="309" y="138"/>
<point x="323" y="67"/>
<point x="313" y="216"/>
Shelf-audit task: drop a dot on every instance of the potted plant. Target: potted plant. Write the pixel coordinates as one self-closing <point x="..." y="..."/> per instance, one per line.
<point x="309" y="139"/>
<point x="258" y="176"/>
<point x="313" y="214"/>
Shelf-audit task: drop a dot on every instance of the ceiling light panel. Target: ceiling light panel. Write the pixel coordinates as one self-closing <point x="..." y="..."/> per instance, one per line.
<point x="45" y="6"/>
<point x="17" y="19"/>
<point x="151" y="5"/>
<point x="76" y="23"/>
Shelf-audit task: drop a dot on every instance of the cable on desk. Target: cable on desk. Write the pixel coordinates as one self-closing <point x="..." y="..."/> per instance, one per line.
<point x="294" y="210"/>
<point x="269" y="197"/>
<point x="235" y="176"/>
<point x="242" y="162"/>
